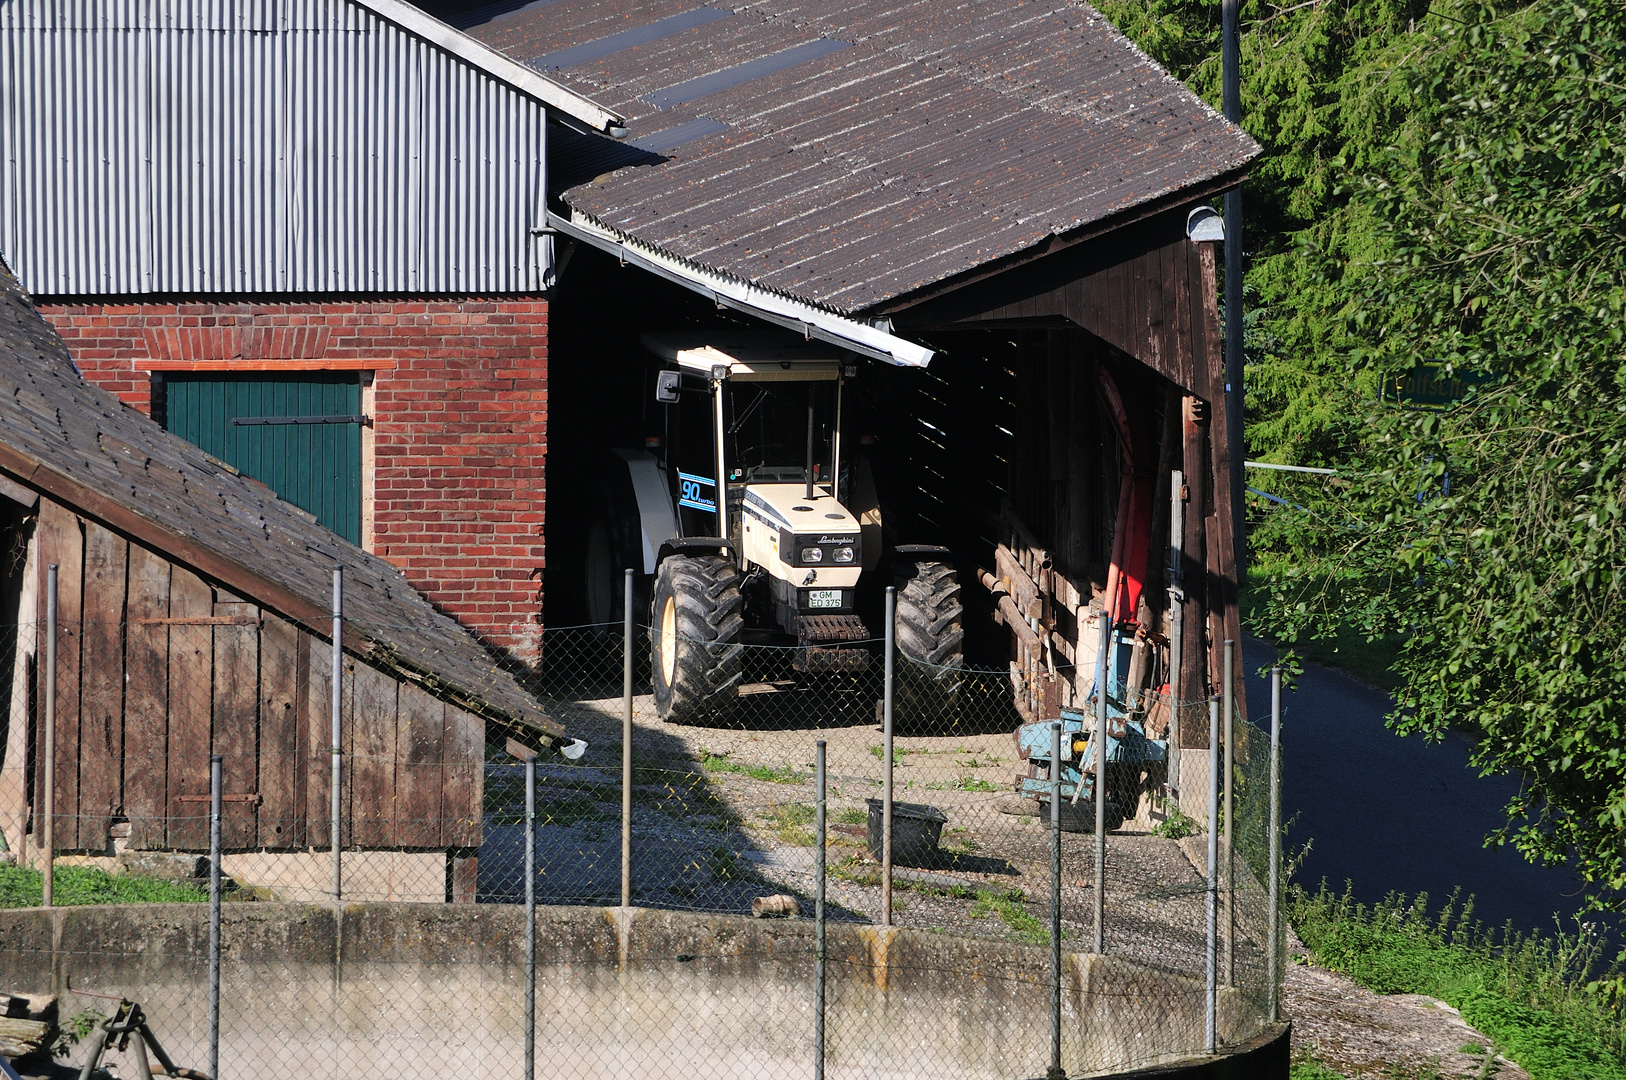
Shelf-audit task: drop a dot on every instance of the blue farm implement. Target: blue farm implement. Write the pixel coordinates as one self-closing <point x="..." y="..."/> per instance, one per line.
<point x="1135" y="761"/>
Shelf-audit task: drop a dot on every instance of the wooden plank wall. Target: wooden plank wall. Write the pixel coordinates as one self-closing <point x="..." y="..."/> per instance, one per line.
<point x="158" y="668"/>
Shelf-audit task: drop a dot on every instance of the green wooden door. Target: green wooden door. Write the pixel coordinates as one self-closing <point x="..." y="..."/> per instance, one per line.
<point x="296" y="434"/>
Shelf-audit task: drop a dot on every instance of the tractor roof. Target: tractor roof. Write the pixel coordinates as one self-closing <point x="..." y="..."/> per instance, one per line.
<point x="749" y="357"/>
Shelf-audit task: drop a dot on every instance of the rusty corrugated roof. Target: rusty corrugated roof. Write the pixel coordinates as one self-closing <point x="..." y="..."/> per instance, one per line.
<point x="848" y="152"/>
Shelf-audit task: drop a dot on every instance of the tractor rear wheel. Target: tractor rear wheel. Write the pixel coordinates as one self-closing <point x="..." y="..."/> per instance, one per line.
<point x="695" y="649"/>
<point x="930" y="635"/>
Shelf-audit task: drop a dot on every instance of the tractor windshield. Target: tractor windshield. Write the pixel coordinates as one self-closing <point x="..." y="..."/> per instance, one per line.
<point x="766" y="425"/>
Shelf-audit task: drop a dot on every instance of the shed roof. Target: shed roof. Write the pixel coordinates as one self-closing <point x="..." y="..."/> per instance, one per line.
<point x="84" y="448"/>
<point x="850" y="152"/>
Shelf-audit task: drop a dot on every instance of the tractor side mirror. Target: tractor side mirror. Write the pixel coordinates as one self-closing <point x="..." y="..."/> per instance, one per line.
<point x="667" y="385"/>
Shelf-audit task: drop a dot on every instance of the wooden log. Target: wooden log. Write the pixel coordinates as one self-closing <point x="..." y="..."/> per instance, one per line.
<point x="20" y="1038"/>
<point x="777" y="906"/>
<point x="1014" y="579"/>
<point x="146" y="698"/>
<point x="101" y="709"/>
<point x="1011" y="614"/>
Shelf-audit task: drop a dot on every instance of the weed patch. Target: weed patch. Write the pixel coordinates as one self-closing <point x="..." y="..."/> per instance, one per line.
<point x="769" y="774"/>
<point x="1527" y="993"/>
<point x="788" y="823"/>
<point x="1008" y="905"/>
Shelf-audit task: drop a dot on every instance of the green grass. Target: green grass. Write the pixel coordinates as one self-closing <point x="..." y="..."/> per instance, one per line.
<point x="853" y="815"/>
<point x="75" y="885"/>
<point x="1542" y="999"/>
<point x="1007" y="904"/>
<point x="898" y="752"/>
<point x="964" y="783"/>
<point x="770" y="774"/>
<point x="1311" y="1068"/>
<point x="788" y="822"/>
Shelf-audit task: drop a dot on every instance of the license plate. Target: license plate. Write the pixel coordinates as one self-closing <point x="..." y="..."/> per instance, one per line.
<point x="823" y="598"/>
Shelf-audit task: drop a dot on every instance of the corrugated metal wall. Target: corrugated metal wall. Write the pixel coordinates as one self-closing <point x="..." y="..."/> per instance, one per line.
<point x="254" y="146"/>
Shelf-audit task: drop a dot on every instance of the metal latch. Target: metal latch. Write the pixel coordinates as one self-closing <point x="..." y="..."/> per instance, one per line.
<point x="262" y="421"/>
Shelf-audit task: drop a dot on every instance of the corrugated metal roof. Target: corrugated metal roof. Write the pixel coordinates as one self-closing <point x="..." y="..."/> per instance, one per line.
<point x="266" y="146"/>
<point x="66" y="437"/>
<point x="947" y="135"/>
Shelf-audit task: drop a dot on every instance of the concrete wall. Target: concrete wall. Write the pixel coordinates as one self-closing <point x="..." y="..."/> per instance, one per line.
<point x="405" y="990"/>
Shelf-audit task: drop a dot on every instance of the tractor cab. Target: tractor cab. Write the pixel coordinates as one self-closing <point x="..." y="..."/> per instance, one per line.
<point x="760" y="525"/>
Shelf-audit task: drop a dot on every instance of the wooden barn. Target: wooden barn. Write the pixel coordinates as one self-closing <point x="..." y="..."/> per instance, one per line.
<point x="194" y="618"/>
<point x="988" y="206"/>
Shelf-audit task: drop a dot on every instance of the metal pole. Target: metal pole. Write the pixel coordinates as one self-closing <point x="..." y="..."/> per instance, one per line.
<point x="1177" y="618"/>
<point x="890" y="621"/>
<point x="1230" y="50"/>
<point x="1230" y="817"/>
<point x="1274" y="950"/>
<point x="214" y="914"/>
<point x="818" y="921"/>
<point x="1100" y="741"/>
<point x="530" y="917"/>
<point x="48" y="818"/>
<point x="335" y="707"/>
<point x="1212" y="1000"/>
<point x="1055" y="1072"/>
<point x="626" y="744"/>
<point x="812" y="391"/>
<point x="722" y="464"/>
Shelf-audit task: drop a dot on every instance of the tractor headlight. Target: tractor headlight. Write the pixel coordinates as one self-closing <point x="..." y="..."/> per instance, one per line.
<point x="842" y="554"/>
<point x="812" y="555"/>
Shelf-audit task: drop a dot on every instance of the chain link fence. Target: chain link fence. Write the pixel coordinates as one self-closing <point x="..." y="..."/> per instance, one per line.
<point x="922" y="877"/>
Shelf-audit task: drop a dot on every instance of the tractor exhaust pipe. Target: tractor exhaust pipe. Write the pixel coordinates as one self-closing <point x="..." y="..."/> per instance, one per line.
<point x="812" y="390"/>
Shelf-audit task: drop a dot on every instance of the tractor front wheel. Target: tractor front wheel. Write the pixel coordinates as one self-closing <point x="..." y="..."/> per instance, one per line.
<point x="695" y="649"/>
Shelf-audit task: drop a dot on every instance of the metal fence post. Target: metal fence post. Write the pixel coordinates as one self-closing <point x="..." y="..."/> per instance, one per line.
<point x="335" y="707"/>
<point x="214" y="914"/>
<point x="1229" y="864"/>
<point x="890" y="620"/>
<point x="1100" y="740"/>
<point x="626" y="744"/>
<point x="48" y="818"/>
<point x="1211" y="1001"/>
<point x="818" y="918"/>
<point x="1055" y="1072"/>
<point x="1274" y="949"/>
<point x="530" y="917"/>
<point x="1177" y="618"/>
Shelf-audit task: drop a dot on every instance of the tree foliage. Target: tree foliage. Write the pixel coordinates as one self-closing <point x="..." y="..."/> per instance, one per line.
<point x="1447" y="188"/>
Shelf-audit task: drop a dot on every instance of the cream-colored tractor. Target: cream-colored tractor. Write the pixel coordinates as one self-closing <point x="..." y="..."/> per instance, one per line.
<point x="758" y="525"/>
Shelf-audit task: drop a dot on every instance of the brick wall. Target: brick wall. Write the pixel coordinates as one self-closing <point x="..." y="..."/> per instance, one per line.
<point x="460" y="422"/>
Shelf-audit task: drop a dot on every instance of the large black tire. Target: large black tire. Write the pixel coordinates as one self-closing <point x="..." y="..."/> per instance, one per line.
<point x="695" y="651"/>
<point x="599" y="578"/>
<point x="930" y="635"/>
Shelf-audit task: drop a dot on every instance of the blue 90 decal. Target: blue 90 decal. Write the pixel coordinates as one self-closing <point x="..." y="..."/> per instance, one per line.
<point x="697" y="492"/>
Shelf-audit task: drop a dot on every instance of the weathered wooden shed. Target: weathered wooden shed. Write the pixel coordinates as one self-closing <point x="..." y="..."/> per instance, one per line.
<point x="991" y="200"/>
<point x="194" y="618"/>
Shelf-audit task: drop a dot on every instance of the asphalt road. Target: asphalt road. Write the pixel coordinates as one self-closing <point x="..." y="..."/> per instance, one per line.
<point x="1397" y="814"/>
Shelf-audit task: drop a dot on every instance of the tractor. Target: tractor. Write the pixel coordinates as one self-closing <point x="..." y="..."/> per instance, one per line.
<point x="754" y="521"/>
